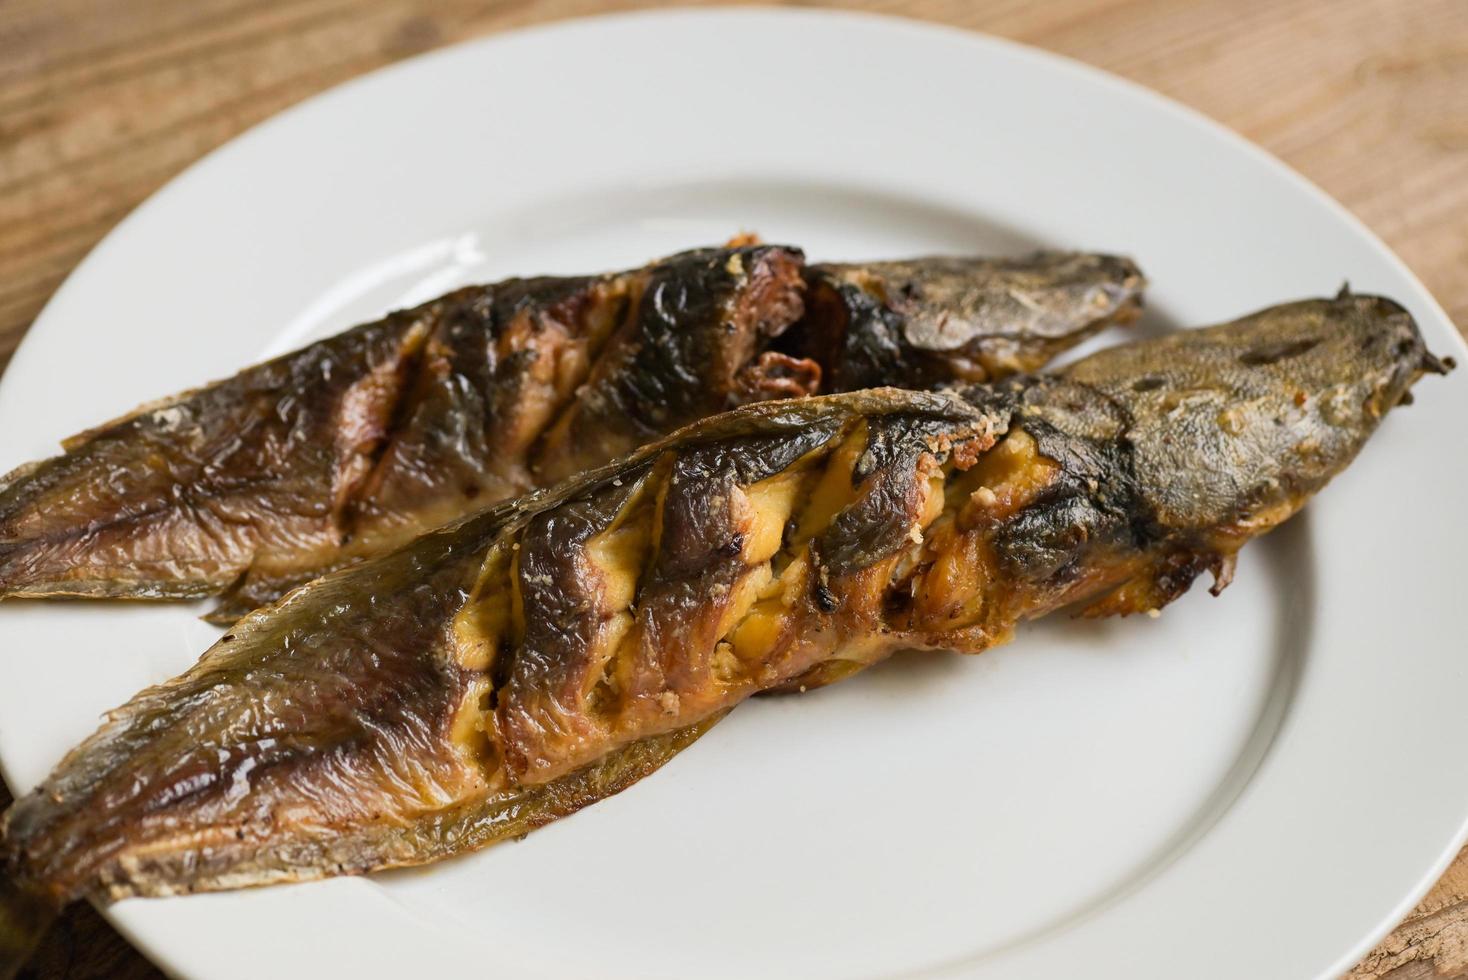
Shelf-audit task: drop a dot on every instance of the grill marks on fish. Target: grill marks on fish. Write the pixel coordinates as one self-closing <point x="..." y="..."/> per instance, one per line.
<point x="692" y="349"/>
<point x="487" y="379"/>
<point x="698" y="583"/>
<point x="162" y="502"/>
<point x="660" y="588"/>
<point x="299" y="737"/>
<point x="349" y="447"/>
<point x="361" y="722"/>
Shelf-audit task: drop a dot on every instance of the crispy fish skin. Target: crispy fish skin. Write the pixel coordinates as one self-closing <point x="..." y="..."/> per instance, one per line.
<point x="666" y="368"/>
<point x="352" y="446"/>
<point x="560" y="646"/>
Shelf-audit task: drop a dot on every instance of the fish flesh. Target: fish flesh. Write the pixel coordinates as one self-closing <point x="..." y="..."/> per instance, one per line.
<point x="506" y="670"/>
<point x="356" y="444"/>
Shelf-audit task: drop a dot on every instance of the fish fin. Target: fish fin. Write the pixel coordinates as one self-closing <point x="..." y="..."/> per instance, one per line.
<point x="227" y="613"/>
<point x="821" y="675"/>
<point x="1160" y="582"/>
<point x="24" y="919"/>
<point x="76" y="441"/>
<point x="19" y="473"/>
<point x="252" y="590"/>
<point x="233" y="606"/>
<point x="1223" y="572"/>
<point x="1432" y="364"/>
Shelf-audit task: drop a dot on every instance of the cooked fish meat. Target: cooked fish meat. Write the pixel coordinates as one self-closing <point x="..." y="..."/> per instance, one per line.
<point x="509" y="669"/>
<point x="354" y="445"/>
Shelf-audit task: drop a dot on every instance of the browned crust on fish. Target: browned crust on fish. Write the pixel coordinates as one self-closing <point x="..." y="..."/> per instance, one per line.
<point x="350" y="447"/>
<point x="499" y="672"/>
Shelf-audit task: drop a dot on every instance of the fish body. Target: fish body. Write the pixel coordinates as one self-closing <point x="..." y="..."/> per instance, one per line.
<point x="505" y="670"/>
<point x="354" y="445"/>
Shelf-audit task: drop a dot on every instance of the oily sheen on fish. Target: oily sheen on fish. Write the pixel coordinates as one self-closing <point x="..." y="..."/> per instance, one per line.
<point x="354" y="445"/>
<point x="506" y="670"/>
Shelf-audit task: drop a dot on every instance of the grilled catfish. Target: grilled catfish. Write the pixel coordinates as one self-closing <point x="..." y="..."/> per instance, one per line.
<point x="506" y="670"/>
<point x="354" y="445"/>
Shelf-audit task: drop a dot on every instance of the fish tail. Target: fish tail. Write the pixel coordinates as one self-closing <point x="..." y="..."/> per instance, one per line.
<point x="24" y="919"/>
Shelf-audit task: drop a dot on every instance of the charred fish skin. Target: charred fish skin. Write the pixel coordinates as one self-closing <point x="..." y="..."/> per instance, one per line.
<point x="348" y="448"/>
<point x="693" y="349"/>
<point x="104" y="518"/>
<point x="506" y="670"/>
<point x="184" y="498"/>
<point x="481" y="429"/>
<point x="946" y="320"/>
<point x="262" y="765"/>
<point x="355" y="718"/>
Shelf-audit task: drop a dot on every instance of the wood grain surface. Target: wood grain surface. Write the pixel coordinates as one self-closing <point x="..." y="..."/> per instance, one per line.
<point x="102" y="101"/>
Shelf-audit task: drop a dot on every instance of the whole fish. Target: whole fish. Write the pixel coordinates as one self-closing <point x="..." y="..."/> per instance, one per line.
<point x="506" y="670"/>
<point x="356" y="444"/>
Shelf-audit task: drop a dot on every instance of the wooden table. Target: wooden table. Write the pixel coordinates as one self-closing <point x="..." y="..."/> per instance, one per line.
<point x="102" y="102"/>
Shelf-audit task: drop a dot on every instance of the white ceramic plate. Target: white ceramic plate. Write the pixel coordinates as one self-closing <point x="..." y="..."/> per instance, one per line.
<point x="1253" y="786"/>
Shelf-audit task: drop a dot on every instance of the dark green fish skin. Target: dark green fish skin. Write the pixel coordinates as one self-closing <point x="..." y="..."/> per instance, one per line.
<point x="354" y="445"/>
<point x="498" y="673"/>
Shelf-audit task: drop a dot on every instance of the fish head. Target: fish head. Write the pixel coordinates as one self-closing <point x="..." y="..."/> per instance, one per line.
<point x="1237" y="425"/>
<point x="941" y="320"/>
<point x="950" y="303"/>
<point x="1169" y="454"/>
